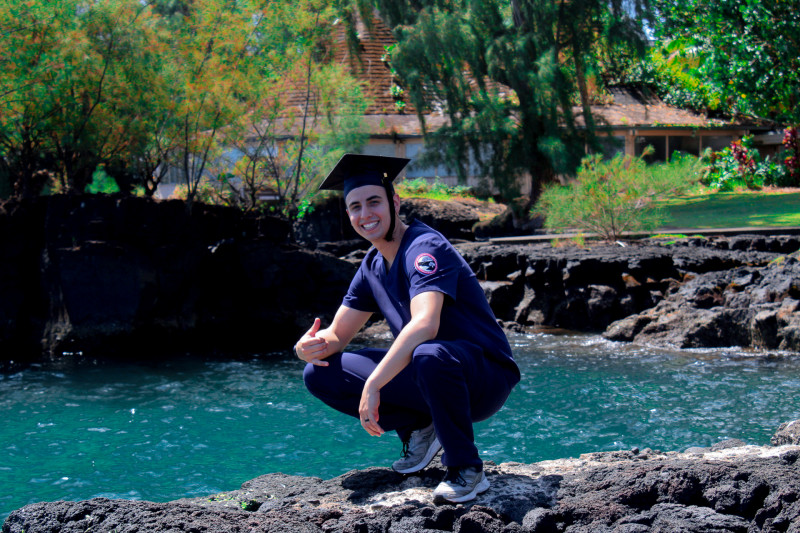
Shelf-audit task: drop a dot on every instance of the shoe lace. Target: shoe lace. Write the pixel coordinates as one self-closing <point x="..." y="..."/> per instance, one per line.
<point x="405" y="453"/>
<point x="454" y="476"/>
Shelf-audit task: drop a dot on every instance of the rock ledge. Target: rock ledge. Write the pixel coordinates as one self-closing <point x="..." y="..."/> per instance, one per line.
<point x="737" y="489"/>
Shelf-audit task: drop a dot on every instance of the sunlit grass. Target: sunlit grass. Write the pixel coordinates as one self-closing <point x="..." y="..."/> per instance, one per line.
<point x="436" y="190"/>
<point x="733" y="209"/>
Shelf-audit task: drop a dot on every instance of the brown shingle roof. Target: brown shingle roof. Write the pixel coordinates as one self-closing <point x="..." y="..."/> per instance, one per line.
<point x="635" y="108"/>
<point x="369" y="67"/>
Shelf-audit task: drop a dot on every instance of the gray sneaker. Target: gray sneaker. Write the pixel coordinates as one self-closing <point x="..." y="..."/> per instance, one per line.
<point x="418" y="452"/>
<point x="461" y="485"/>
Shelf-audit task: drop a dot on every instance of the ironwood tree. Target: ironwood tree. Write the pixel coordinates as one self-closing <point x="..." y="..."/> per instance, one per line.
<point x="507" y="75"/>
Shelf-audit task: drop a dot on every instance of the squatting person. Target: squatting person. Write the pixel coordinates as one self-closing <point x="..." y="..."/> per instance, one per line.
<point x="450" y="363"/>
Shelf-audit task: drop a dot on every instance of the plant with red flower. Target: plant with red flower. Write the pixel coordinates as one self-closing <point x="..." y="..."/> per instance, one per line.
<point x="791" y="142"/>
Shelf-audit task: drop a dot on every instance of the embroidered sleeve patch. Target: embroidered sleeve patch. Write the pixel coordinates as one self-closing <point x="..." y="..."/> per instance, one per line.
<point x="426" y="264"/>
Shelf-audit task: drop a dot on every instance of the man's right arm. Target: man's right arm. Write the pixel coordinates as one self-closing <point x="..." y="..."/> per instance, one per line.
<point x="317" y="344"/>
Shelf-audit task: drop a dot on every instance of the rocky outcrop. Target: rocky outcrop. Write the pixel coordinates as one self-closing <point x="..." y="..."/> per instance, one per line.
<point x="119" y="277"/>
<point x="757" y="307"/>
<point x="454" y="220"/>
<point x="328" y="226"/>
<point x="788" y="433"/>
<point x="587" y="289"/>
<point x="727" y="489"/>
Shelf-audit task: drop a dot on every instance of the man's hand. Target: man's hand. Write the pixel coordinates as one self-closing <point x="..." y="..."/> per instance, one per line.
<point x="368" y="410"/>
<point x="312" y="349"/>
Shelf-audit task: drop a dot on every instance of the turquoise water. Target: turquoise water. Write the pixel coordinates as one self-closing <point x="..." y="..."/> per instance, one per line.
<point x="192" y="428"/>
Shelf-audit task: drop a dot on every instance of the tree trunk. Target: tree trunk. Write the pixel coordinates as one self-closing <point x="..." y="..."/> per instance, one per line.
<point x="580" y="74"/>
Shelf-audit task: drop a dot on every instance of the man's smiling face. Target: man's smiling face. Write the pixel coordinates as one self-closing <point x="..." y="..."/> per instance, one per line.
<point x="369" y="211"/>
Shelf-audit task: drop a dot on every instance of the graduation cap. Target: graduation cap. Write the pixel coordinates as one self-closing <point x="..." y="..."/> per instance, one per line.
<point x="356" y="170"/>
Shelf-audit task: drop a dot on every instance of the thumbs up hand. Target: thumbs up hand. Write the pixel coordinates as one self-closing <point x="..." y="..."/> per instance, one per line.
<point x="310" y="348"/>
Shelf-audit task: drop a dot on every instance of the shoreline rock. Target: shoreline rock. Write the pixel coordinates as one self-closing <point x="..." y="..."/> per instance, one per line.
<point x="753" y="307"/>
<point x="719" y="292"/>
<point x="728" y="488"/>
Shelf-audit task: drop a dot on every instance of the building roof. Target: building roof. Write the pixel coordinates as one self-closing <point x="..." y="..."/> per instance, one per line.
<point x="634" y="107"/>
<point x="625" y="108"/>
<point x="368" y="65"/>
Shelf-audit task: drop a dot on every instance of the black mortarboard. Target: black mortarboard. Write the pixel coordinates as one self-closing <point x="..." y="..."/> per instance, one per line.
<point x="355" y="170"/>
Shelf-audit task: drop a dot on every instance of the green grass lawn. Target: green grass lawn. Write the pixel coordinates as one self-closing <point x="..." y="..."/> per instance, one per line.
<point x="733" y="210"/>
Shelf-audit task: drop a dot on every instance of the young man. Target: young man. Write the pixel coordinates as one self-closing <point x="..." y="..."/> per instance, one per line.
<point x="450" y="363"/>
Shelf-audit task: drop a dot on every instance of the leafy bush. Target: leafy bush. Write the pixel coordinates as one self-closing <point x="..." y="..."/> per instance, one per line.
<point x="740" y="166"/>
<point x="791" y="142"/>
<point x="611" y="197"/>
<point x="102" y="183"/>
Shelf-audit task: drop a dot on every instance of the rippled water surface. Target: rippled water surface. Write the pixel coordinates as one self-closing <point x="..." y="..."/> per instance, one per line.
<point x="192" y="428"/>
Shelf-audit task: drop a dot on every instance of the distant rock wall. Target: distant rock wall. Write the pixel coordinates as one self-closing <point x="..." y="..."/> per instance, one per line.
<point x="756" y="307"/>
<point x="129" y="277"/>
<point x="743" y="290"/>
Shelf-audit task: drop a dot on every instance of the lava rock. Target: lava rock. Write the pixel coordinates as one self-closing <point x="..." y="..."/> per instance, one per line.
<point x="746" y="306"/>
<point x="788" y="433"/>
<point x="733" y="489"/>
<point x="129" y="277"/>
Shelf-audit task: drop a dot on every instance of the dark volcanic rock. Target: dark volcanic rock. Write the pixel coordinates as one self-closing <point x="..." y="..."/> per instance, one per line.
<point x="745" y="306"/>
<point x="740" y="489"/>
<point x="513" y="220"/>
<point x="327" y="223"/>
<point x="788" y="433"/>
<point x="119" y="277"/>
<point x="452" y="219"/>
<point x="589" y="288"/>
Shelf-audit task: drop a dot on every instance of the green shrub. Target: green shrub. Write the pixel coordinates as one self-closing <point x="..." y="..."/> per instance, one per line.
<point x="611" y="197"/>
<point x="739" y="166"/>
<point x="102" y="183"/>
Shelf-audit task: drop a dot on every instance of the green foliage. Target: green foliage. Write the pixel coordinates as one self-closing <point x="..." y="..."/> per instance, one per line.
<point x="143" y="87"/>
<point x="673" y="69"/>
<point x="76" y="82"/>
<point x="504" y="76"/>
<point x="612" y="197"/>
<point x="740" y="166"/>
<point x="745" y="55"/>
<point x="102" y="183"/>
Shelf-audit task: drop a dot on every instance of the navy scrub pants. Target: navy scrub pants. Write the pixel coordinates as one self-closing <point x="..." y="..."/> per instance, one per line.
<point x="452" y="383"/>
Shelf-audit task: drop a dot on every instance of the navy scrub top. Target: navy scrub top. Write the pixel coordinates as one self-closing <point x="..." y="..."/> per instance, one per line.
<point x="426" y="261"/>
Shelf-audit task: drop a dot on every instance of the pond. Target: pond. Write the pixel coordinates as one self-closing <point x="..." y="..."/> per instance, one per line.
<point x="190" y="427"/>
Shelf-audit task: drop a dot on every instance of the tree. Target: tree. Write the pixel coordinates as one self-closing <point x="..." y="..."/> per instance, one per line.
<point x="505" y="76"/>
<point x="289" y="152"/>
<point x="298" y="111"/>
<point x="749" y="52"/>
<point x="75" y="90"/>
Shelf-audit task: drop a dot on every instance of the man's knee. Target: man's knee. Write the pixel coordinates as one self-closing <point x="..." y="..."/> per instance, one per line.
<point x="429" y="359"/>
<point x="314" y="378"/>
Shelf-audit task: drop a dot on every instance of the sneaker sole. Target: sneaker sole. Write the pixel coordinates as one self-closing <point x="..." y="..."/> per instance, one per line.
<point x="432" y="451"/>
<point x="482" y="486"/>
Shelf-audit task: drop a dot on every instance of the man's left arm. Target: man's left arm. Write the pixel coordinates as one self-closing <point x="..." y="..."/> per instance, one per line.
<point x="426" y="311"/>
